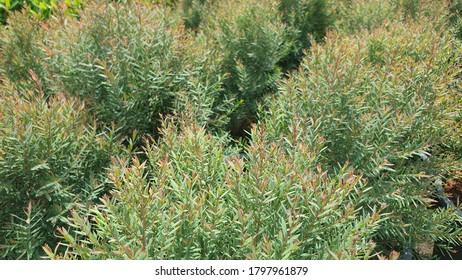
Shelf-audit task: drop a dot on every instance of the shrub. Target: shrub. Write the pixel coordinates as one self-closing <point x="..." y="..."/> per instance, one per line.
<point x="21" y="53"/>
<point x="135" y="64"/>
<point x="193" y="12"/>
<point x="353" y="16"/>
<point x="455" y="11"/>
<point x="260" y="41"/>
<point x="127" y="63"/>
<point x="131" y="63"/>
<point x="377" y="97"/>
<point x="307" y="20"/>
<point x="50" y="159"/>
<point x="252" y="41"/>
<point x="195" y="199"/>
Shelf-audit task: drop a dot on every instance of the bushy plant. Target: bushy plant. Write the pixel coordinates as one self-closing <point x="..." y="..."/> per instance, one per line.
<point x="127" y="63"/>
<point x="21" y="53"/>
<point x="252" y="41"/>
<point x="132" y="63"/>
<point x="193" y="12"/>
<point x="194" y="198"/>
<point x="378" y="99"/>
<point x="259" y="42"/>
<point x="307" y="20"/>
<point x="455" y="12"/>
<point x="51" y="158"/>
<point x="353" y="16"/>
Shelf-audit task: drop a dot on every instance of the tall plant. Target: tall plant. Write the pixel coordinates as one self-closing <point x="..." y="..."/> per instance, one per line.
<point x="378" y="98"/>
<point x="195" y="199"/>
<point x="252" y="41"/>
<point x="51" y="160"/>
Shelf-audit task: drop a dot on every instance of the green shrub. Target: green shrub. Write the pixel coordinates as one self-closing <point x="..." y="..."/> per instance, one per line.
<point x="455" y="12"/>
<point x="20" y="51"/>
<point x="196" y="199"/>
<point x="132" y="63"/>
<point x="355" y="15"/>
<point x="193" y="12"/>
<point x="50" y="160"/>
<point x="126" y="63"/>
<point x="252" y="41"/>
<point x="260" y="41"/>
<point x="307" y="20"/>
<point x="378" y="99"/>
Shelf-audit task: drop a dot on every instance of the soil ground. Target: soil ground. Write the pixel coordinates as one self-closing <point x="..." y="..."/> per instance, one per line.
<point x="453" y="189"/>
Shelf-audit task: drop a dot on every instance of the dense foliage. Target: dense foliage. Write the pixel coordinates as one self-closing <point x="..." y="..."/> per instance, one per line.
<point x="379" y="102"/>
<point x="194" y="199"/>
<point x="202" y="129"/>
<point x="51" y="158"/>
